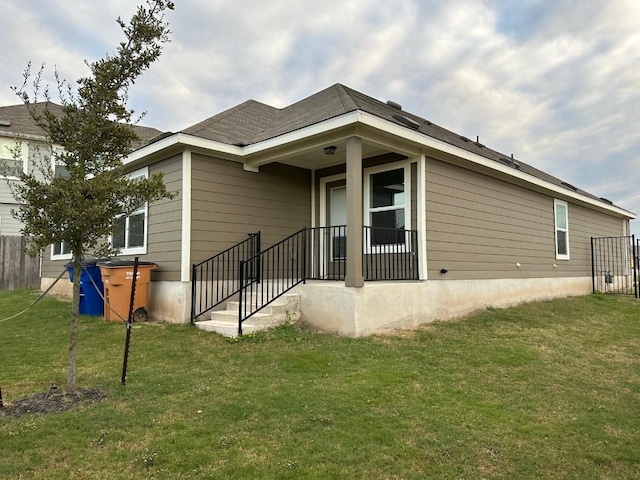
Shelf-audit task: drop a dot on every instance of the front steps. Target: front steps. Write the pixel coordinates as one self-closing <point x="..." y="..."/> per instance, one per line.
<point x="285" y="309"/>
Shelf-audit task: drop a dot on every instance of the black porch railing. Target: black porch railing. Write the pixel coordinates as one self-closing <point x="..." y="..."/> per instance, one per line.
<point x="390" y="254"/>
<point x="320" y="254"/>
<point x="614" y="265"/>
<point x="215" y="279"/>
<point x="270" y="274"/>
<point x="327" y="247"/>
<point x="260" y="277"/>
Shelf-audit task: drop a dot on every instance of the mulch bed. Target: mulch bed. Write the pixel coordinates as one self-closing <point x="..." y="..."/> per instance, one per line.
<point x="52" y="402"/>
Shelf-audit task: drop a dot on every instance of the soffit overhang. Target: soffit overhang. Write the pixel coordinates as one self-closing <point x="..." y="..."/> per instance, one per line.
<point x="304" y="148"/>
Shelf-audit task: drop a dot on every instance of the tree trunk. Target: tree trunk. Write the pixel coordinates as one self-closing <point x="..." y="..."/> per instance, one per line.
<point x="73" y="337"/>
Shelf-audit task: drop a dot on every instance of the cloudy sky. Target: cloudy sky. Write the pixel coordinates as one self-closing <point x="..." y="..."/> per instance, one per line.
<point x="555" y="82"/>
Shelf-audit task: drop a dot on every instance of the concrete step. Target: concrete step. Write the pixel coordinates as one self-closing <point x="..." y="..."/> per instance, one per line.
<point x="225" y="322"/>
<point x="287" y="302"/>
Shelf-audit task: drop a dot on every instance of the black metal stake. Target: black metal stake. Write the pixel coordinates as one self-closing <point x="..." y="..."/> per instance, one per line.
<point x="129" y="322"/>
<point x="1" y="403"/>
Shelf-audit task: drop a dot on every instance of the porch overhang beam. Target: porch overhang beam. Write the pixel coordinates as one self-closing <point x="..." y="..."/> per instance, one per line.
<point x="282" y="153"/>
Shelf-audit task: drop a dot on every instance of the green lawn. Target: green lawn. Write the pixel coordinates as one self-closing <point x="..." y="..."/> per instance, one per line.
<point x="546" y="390"/>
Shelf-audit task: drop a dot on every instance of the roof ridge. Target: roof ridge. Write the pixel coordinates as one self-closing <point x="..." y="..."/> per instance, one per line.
<point x="222" y="115"/>
<point x="344" y="91"/>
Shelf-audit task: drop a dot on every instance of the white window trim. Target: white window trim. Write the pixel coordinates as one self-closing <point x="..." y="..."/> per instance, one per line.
<point x="556" y="229"/>
<point x="56" y="151"/>
<point x="24" y="154"/>
<point x="142" y="250"/>
<point x="63" y="256"/>
<point x="395" y="248"/>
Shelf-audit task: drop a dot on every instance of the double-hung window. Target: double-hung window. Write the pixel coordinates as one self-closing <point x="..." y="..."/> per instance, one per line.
<point x="58" y="166"/>
<point x="59" y="251"/>
<point x="130" y="235"/>
<point x="561" y="214"/>
<point x="10" y="166"/>
<point x="388" y="203"/>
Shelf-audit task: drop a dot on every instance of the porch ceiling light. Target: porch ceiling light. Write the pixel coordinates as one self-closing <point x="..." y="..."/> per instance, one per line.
<point x="330" y="150"/>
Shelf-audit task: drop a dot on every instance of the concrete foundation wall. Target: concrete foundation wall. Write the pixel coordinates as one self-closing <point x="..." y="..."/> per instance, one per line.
<point x="168" y="301"/>
<point x="381" y="306"/>
<point x="378" y="306"/>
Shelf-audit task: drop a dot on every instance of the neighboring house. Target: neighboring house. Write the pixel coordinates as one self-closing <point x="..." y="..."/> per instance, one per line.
<point x="392" y="220"/>
<point x="19" y="130"/>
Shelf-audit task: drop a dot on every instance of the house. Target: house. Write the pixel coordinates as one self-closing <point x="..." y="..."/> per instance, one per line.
<point x="19" y="130"/>
<point x="378" y="218"/>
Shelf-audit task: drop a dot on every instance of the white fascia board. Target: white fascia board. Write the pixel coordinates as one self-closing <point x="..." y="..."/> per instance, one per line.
<point x="343" y="120"/>
<point x="22" y="136"/>
<point x="187" y="141"/>
<point x="352" y="119"/>
<point x="430" y="142"/>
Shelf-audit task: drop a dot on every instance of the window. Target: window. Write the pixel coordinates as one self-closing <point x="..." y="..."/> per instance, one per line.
<point x="59" y="169"/>
<point x="130" y="234"/>
<point x="561" y="214"/>
<point x="60" y="251"/>
<point x="387" y="198"/>
<point x="9" y="166"/>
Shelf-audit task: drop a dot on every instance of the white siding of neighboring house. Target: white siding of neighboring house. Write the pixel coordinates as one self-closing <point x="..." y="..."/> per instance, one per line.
<point x="32" y="154"/>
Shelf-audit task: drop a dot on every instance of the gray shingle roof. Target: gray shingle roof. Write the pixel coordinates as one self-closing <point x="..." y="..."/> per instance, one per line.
<point x="21" y="123"/>
<point x="252" y="122"/>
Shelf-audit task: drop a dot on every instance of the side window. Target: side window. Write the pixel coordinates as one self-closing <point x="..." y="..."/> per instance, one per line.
<point x="561" y="213"/>
<point x="59" y="169"/>
<point x="131" y="231"/>
<point x="387" y="205"/>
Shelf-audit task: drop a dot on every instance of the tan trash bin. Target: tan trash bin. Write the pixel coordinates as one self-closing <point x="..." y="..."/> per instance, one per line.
<point x="117" y="278"/>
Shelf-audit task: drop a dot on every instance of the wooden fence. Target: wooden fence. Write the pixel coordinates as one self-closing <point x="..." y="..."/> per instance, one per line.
<point x="17" y="269"/>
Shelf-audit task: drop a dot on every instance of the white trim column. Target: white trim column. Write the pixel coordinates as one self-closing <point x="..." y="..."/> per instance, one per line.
<point x="185" y="270"/>
<point x="354" y="277"/>
<point x="421" y="221"/>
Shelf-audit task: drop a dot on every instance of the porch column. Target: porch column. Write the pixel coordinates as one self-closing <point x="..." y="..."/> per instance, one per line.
<point x="421" y="226"/>
<point x="354" y="276"/>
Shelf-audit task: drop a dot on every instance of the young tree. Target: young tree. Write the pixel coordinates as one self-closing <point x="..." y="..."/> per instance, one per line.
<point x="94" y="129"/>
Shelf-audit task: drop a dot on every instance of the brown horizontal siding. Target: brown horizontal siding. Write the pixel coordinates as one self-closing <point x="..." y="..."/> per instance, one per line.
<point x="229" y="202"/>
<point x="481" y="227"/>
<point x="164" y="241"/>
<point x="584" y="224"/>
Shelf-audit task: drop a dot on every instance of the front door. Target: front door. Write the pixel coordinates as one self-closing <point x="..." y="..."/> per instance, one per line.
<point x="333" y="236"/>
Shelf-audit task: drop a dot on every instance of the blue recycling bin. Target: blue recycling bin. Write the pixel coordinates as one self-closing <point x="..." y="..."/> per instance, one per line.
<point x="91" y="302"/>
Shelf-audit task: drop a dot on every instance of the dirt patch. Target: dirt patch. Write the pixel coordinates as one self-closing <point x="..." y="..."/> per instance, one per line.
<point x="52" y="402"/>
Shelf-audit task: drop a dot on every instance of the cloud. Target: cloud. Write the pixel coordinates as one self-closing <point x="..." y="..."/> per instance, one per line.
<point x="556" y="85"/>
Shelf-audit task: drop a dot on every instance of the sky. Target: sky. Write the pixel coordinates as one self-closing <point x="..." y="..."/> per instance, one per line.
<point x="555" y="82"/>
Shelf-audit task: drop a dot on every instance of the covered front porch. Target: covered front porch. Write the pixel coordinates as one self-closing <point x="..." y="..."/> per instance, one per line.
<point x="367" y="224"/>
<point x="374" y="190"/>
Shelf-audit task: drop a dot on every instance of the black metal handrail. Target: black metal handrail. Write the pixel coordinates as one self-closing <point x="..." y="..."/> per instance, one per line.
<point x="271" y="273"/>
<point x="327" y="247"/>
<point x="390" y="254"/>
<point x="215" y="279"/>
<point x="319" y="253"/>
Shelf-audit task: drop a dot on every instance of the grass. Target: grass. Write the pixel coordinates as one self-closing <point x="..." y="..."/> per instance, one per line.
<point x="546" y="390"/>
